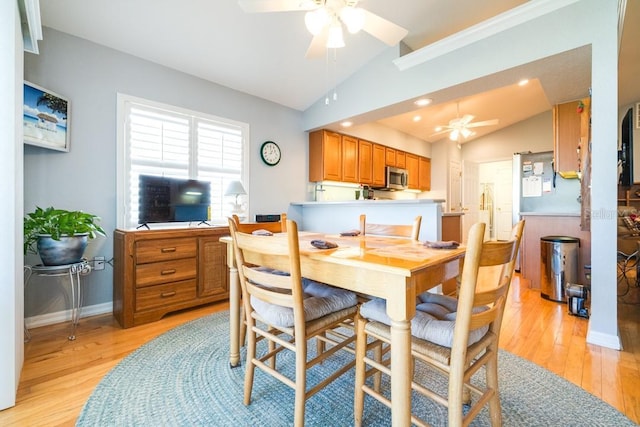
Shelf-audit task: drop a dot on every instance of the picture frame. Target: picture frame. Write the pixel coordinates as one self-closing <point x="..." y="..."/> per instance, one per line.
<point x="45" y="118"/>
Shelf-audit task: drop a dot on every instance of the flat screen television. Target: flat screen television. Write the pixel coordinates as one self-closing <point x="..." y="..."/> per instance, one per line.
<point x="163" y="199"/>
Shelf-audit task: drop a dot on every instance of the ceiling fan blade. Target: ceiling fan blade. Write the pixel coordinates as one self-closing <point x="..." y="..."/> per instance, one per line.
<point x="484" y="123"/>
<point x="318" y="46"/>
<point x="382" y="29"/>
<point x="260" y="6"/>
<point x="466" y="119"/>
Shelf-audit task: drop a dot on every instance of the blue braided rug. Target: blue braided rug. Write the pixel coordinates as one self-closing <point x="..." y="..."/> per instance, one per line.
<point x="182" y="378"/>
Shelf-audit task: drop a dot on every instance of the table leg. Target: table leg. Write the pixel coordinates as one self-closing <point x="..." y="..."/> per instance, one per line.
<point x="234" y="318"/>
<point x="401" y="373"/>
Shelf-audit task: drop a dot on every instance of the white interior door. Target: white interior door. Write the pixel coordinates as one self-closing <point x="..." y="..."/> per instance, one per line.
<point x="455" y="186"/>
<point x="503" y="200"/>
<point x="470" y="196"/>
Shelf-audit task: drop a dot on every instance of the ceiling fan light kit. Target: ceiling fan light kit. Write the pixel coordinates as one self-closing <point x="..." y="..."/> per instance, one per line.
<point x="324" y="20"/>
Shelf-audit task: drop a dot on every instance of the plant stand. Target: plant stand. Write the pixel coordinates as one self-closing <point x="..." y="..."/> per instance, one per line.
<point x="73" y="272"/>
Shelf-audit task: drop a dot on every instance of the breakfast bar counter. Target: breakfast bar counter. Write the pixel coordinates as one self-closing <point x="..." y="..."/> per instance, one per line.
<point x="338" y="216"/>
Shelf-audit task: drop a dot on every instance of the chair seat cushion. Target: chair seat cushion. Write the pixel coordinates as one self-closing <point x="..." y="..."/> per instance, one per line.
<point x="434" y="320"/>
<point x="320" y="300"/>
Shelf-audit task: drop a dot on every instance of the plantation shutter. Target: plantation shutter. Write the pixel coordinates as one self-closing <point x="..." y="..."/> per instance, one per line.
<point x="162" y="142"/>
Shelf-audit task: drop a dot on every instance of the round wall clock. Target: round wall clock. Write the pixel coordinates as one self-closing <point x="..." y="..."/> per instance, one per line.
<point x="270" y="153"/>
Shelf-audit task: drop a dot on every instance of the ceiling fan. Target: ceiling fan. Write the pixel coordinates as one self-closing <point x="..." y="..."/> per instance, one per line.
<point x="325" y="18"/>
<point x="461" y="126"/>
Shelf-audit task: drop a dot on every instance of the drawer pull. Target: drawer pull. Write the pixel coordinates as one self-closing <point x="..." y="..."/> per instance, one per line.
<point x="167" y="272"/>
<point x="165" y="250"/>
<point x="167" y="294"/>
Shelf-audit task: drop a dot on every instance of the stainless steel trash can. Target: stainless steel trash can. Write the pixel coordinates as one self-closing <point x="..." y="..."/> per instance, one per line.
<point x="558" y="265"/>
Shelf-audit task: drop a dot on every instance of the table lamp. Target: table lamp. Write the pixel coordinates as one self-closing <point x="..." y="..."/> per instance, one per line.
<point x="235" y="188"/>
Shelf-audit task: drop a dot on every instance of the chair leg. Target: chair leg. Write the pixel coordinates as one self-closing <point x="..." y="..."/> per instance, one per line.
<point x="492" y="383"/>
<point x="301" y="383"/>
<point x="250" y="368"/>
<point x="361" y="350"/>
<point x="243" y="328"/>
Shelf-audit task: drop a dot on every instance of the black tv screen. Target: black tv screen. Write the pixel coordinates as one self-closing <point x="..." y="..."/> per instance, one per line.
<point x="163" y="199"/>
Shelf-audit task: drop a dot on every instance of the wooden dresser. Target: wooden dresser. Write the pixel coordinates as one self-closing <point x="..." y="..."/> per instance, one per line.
<point x="160" y="271"/>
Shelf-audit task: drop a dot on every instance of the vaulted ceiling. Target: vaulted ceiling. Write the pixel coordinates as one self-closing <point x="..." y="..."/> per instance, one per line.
<point x="263" y="54"/>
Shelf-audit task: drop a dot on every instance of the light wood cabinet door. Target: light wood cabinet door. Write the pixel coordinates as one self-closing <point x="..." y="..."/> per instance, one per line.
<point x="424" y="173"/>
<point x="349" y="159"/>
<point x="567" y="134"/>
<point x="390" y="156"/>
<point x="401" y="159"/>
<point x="365" y="162"/>
<point x="378" y="166"/>
<point x="212" y="272"/>
<point x="325" y="156"/>
<point x="413" y="168"/>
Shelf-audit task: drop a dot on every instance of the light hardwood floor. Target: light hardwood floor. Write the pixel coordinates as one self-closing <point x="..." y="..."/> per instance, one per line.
<point x="59" y="375"/>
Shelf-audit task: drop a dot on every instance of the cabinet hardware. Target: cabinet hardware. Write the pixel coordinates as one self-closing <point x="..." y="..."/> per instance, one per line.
<point x="165" y="250"/>
<point x="165" y="272"/>
<point x="167" y="294"/>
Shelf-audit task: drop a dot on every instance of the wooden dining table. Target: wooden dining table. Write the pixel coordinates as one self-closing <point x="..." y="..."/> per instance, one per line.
<point x="395" y="269"/>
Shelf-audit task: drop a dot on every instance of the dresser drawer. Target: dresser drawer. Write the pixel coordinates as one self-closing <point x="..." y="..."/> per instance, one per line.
<point x="165" y="295"/>
<point x="165" y="249"/>
<point x="166" y="271"/>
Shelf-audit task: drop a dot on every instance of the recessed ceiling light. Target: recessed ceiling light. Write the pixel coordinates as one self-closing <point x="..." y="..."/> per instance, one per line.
<point x="417" y="118"/>
<point x="346" y="124"/>
<point x="523" y="82"/>
<point x="423" y="101"/>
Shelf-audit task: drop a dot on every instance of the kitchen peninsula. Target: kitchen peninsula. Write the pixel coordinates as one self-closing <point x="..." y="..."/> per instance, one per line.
<point x="338" y="216"/>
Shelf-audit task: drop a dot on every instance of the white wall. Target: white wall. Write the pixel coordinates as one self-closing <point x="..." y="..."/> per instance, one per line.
<point x="11" y="302"/>
<point x="90" y="76"/>
<point x="534" y="134"/>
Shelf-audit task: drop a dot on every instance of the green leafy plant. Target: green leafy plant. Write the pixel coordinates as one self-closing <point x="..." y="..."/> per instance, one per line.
<point x="57" y="223"/>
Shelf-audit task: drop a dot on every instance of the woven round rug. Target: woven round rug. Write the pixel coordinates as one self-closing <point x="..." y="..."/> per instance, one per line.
<point x="183" y="378"/>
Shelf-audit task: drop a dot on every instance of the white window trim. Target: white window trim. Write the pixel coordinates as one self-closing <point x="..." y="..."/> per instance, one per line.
<point x="122" y="162"/>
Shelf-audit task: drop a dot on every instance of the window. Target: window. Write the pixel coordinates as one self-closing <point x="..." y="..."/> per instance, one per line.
<point x="156" y="139"/>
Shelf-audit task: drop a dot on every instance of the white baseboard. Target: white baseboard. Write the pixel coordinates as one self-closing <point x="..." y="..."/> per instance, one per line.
<point x="604" y="340"/>
<point x="65" y="316"/>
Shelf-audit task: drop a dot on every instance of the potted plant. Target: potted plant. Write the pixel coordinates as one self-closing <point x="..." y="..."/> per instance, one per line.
<point x="59" y="236"/>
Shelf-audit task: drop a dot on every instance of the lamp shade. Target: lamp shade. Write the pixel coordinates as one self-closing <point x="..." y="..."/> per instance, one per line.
<point x="235" y="188"/>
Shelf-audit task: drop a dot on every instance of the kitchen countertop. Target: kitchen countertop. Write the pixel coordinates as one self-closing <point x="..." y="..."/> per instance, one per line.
<point x="377" y="202"/>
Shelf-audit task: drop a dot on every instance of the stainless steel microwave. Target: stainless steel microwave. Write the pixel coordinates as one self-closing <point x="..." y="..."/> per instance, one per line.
<point x="396" y="178"/>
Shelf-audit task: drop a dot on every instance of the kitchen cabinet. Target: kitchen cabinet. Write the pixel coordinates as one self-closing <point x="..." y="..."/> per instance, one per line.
<point x="365" y="162"/>
<point x="349" y="159"/>
<point x="413" y="168"/>
<point x="424" y="173"/>
<point x="568" y="133"/>
<point x="401" y="159"/>
<point x="390" y="156"/>
<point x="160" y="271"/>
<point x="325" y="156"/>
<point x="378" y="162"/>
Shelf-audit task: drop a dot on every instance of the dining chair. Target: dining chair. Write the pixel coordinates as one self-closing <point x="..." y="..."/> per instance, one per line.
<point x="250" y="227"/>
<point x="394" y="230"/>
<point x="453" y="337"/>
<point x="288" y="310"/>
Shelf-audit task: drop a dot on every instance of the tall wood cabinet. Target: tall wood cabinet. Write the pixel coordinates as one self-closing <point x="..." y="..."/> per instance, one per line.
<point x="160" y="271"/>
<point x="570" y="132"/>
<point x="325" y="156"/>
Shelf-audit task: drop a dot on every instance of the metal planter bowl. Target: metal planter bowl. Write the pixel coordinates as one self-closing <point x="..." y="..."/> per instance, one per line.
<point x="67" y="250"/>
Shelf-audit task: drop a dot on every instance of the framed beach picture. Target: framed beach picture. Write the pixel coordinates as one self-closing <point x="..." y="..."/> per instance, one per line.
<point x="45" y="118"/>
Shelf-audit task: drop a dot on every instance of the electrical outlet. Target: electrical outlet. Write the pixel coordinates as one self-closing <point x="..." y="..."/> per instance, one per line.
<point x="98" y="263"/>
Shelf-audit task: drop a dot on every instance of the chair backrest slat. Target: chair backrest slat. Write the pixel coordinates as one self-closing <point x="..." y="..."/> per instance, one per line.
<point x="274" y="227"/>
<point x="411" y="231"/>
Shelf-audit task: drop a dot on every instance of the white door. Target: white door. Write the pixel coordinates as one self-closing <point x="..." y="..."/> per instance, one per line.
<point x="470" y="196"/>
<point x="503" y="200"/>
<point x="455" y="186"/>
